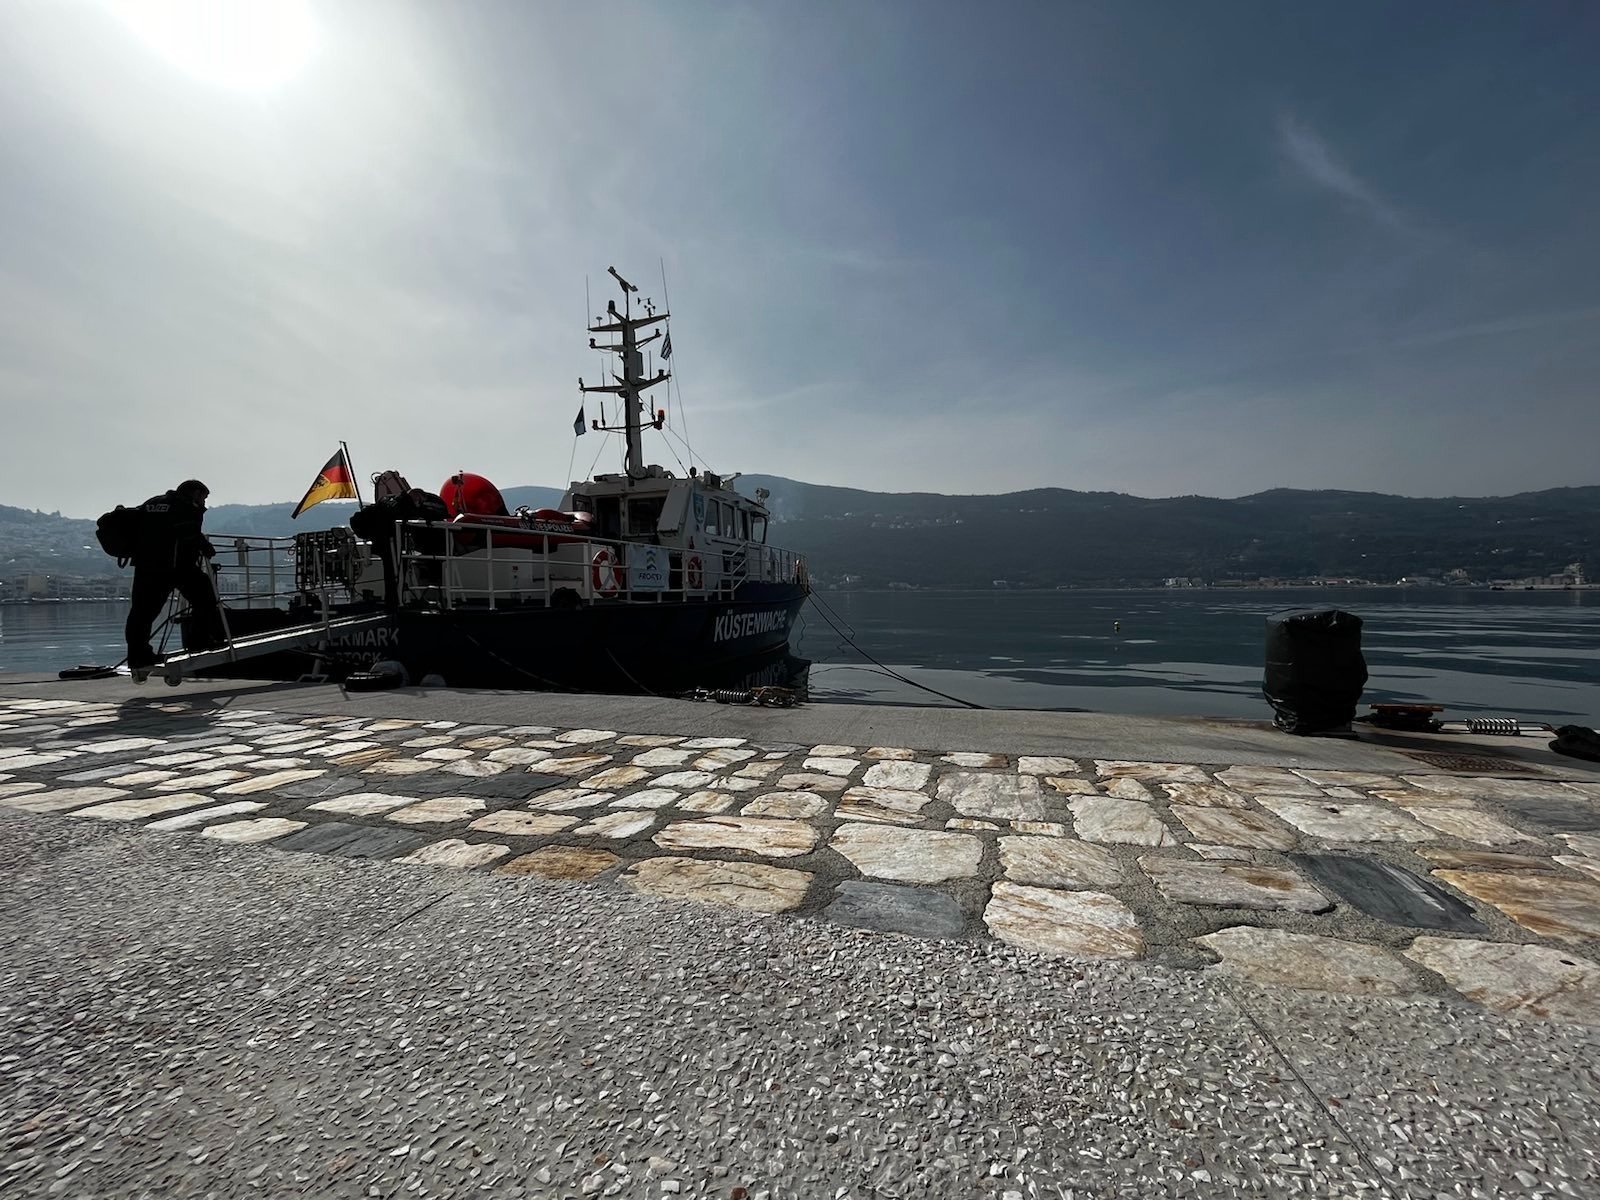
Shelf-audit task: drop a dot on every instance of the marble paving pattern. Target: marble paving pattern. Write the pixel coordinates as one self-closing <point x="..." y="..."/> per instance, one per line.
<point x="1061" y="856"/>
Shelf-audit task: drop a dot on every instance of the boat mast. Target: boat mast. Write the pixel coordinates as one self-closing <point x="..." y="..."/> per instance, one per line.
<point x="631" y="383"/>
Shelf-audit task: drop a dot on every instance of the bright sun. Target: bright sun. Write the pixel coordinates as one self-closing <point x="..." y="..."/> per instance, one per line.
<point x="249" y="45"/>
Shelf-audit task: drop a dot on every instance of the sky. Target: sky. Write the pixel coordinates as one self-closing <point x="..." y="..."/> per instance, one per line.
<point x="1160" y="248"/>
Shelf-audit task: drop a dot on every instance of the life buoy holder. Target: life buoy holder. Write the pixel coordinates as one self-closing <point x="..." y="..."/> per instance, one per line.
<point x="603" y="572"/>
<point x="694" y="573"/>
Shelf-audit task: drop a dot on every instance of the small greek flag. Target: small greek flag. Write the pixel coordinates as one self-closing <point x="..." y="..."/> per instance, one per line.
<point x="578" y="426"/>
<point x="666" y="347"/>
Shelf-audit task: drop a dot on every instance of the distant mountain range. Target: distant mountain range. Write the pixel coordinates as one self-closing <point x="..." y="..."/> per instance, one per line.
<point x="1046" y="536"/>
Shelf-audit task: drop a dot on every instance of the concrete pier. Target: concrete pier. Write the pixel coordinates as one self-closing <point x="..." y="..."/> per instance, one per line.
<point x="269" y="938"/>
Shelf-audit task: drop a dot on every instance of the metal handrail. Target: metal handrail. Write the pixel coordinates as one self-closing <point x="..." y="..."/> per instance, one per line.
<point x="734" y="564"/>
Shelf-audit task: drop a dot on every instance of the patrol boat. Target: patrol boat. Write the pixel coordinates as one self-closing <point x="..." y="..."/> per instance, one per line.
<point x="643" y="580"/>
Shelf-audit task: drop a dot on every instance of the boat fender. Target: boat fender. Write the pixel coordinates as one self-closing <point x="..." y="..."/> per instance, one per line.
<point x="603" y="571"/>
<point x="432" y="681"/>
<point x="379" y="677"/>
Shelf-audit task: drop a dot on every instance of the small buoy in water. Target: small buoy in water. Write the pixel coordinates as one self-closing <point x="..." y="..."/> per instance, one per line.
<point x="1116" y="627"/>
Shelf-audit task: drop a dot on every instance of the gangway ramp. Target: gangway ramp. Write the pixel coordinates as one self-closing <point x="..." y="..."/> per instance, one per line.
<point x="292" y="637"/>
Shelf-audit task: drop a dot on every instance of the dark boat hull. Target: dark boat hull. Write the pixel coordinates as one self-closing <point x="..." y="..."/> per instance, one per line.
<point x="672" y="646"/>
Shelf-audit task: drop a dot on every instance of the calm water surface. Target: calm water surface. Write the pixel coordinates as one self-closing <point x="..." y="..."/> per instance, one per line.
<point x="1529" y="654"/>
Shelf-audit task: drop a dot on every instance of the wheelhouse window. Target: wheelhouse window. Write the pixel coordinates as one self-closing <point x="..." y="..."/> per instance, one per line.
<point x="744" y="524"/>
<point x="729" y="529"/>
<point x="758" y="528"/>
<point x="644" y="514"/>
<point x="713" y="522"/>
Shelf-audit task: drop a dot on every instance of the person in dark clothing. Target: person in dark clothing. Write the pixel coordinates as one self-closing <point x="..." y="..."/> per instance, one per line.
<point x="172" y="553"/>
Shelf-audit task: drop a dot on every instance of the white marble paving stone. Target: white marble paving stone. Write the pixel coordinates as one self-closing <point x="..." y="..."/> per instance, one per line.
<point x="279" y="764"/>
<point x="527" y="731"/>
<point x="647" y="740"/>
<point x="651" y="797"/>
<point x="399" y="767"/>
<point x="909" y="855"/>
<point x="439" y="810"/>
<point x="1222" y="853"/>
<point x="202" y="816"/>
<point x="684" y="780"/>
<point x="475" y="768"/>
<point x="622" y="824"/>
<point x="993" y="794"/>
<point x="613" y="778"/>
<point x="706" y="802"/>
<point x="1588" y="866"/>
<point x="1349" y="779"/>
<point x="1045" y="764"/>
<point x="266" y="783"/>
<point x="967" y="823"/>
<point x="795" y="806"/>
<point x="833" y="752"/>
<point x="1590" y="790"/>
<point x="573" y="799"/>
<point x="19" y="789"/>
<point x="1479" y="788"/>
<point x="1109" y="819"/>
<point x="1058" y="862"/>
<point x="61" y="799"/>
<point x="909" y="776"/>
<point x="201" y="782"/>
<point x="23" y="761"/>
<point x="487" y="742"/>
<point x="1063" y="924"/>
<point x="1520" y="981"/>
<point x="143" y="806"/>
<point x="1309" y="962"/>
<point x="1071" y="787"/>
<point x="721" y="758"/>
<point x="363" y="804"/>
<point x="1276" y="781"/>
<point x="841" y="767"/>
<point x="580" y="764"/>
<point x="1587" y="844"/>
<point x="517" y="756"/>
<point x="766" y="836"/>
<point x="1339" y="821"/>
<point x="713" y="743"/>
<point x="445" y="754"/>
<point x="121" y="745"/>
<point x="1150" y="772"/>
<point x="729" y="783"/>
<point x="182" y="758"/>
<point x="1205" y="795"/>
<point x="973" y="758"/>
<point x="258" y="829"/>
<point x="896" y="806"/>
<point x="140" y="778"/>
<point x="1124" y="788"/>
<point x="453" y="852"/>
<point x="898" y="753"/>
<point x="1470" y="824"/>
<point x="758" y="770"/>
<point x="662" y="757"/>
<point x="1042" y="828"/>
<point x="344" y="750"/>
<point x="1234" y="827"/>
<point x="811" y="781"/>
<point x="1232" y="885"/>
<point x="755" y="887"/>
<point x="511" y="823"/>
<point x="584" y="737"/>
<point x="428" y="740"/>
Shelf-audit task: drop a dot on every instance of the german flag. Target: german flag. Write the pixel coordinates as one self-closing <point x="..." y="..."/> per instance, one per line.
<point x="336" y="481"/>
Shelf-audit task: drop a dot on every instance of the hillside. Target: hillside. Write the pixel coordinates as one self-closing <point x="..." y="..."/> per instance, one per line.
<point x="1045" y="537"/>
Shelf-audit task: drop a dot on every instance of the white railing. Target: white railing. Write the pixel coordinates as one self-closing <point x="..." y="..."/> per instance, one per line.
<point x="476" y="564"/>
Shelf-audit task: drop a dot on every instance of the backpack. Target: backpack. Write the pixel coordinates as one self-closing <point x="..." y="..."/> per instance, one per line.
<point x="118" y="533"/>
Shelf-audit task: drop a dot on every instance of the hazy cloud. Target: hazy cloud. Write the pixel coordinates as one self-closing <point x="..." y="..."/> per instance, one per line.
<point x="1311" y="155"/>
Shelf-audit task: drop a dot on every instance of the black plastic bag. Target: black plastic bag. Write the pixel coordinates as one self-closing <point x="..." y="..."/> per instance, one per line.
<point x="1315" y="670"/>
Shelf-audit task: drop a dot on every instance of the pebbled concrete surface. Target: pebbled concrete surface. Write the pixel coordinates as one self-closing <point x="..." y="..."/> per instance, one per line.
<point x="180" y="1017"/>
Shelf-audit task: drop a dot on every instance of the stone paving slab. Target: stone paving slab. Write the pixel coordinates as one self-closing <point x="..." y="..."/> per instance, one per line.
<point x="1170" y="843"/>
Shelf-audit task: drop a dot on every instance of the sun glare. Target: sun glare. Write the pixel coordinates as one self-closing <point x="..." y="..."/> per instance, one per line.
<point x="248" y="45"/>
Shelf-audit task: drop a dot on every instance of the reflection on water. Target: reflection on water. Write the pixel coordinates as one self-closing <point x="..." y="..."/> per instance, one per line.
<point x="1529" y="654"/>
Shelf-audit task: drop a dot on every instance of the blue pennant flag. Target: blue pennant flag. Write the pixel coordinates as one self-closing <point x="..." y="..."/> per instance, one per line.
<point x="666" y="347"/>
<point x="578" y="425"/>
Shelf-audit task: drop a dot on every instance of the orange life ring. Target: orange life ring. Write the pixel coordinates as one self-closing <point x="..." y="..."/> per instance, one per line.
<point x="694" y="573"/>
<point x="603" y="571"/>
